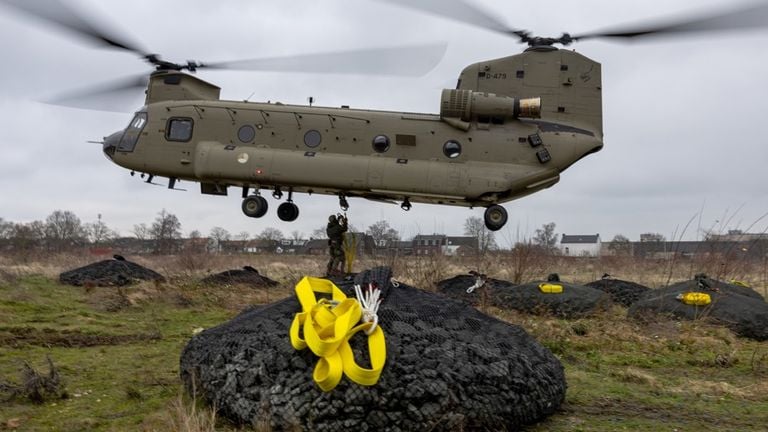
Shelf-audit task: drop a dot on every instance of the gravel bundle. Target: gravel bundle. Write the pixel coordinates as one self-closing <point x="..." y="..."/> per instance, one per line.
<point x="449" y="367"/>
<point x="456" y="288"/>
<point x="620" y="291"/>
<point x="247" y="275"/>
<point x="114" y="272"/>
<point x="746" y="314"/>
<point x="575" y="300"/>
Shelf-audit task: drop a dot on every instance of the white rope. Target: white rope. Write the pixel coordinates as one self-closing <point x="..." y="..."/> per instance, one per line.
<point x="395" y="282"/>
<point x="370" y="305"/>
<point x="478" y="283"/>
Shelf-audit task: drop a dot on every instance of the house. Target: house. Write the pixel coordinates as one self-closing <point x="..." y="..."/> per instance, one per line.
<point x="428" y="244"/>
<point x="459" y="246"/>
<point x="440" y="244"/>
<point x="580" y="245"/>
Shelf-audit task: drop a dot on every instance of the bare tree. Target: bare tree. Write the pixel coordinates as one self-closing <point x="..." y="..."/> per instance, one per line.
<point x="319" y="233"/>
<point x="382" y="232"/>
<point x="195" y="234"/>
<point x="216" y="237"/>
<point x="26" y="238"/>
<point x="63" y="229"/>
<point x="620" y="245"/>
<point x="271" y="234"/>
<point x="243" y="236"/>
<point x="6" y="229"/>
<point x="98" y="232"/>
<point x="296" y="235"/>
<point x="141" y="231"/>
<point x="165" y="231"/>
<point x="475" y="227"/>
<point x="545" y="237"/>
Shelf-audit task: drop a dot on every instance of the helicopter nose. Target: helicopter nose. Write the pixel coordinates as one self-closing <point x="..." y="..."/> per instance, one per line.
<point x="110" y="144"/>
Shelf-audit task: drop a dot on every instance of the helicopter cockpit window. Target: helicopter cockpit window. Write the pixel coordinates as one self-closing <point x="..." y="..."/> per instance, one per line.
<point x="132" y="132"/>
<point x="179" y="129"/>
<point x="452" y="149"/>
<point x="381" y="143"/>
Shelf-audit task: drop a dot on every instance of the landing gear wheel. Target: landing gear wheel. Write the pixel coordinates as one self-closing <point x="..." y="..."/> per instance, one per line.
<point x="495" y="217"/>
<point x="288" y="212"/>
<point x="255" y="206"/>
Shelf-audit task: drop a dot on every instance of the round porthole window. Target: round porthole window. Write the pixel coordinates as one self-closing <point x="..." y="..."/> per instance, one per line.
<point x="246" y="133"/>
<point x="312" y="138"/>
<point x="381" y="143"/>
<point x="452" y="149"/>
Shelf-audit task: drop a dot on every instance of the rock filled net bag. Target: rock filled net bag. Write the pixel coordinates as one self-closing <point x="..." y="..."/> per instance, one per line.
<point x="445" y="365"/>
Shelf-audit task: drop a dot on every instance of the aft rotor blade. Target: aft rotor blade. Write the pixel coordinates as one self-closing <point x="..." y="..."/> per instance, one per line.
<point x="403" y="61"/>
<point x="458" y="10"/>
<point x="63" y="15"/>
<point x="115" y="96"/>
<point x="745" y="17"/>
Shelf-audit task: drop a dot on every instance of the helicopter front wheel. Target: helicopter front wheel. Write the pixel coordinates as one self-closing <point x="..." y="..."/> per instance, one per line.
<point x="495" y="217"/>
<point x="255" y="206"/>
<point x="288" y="212"/>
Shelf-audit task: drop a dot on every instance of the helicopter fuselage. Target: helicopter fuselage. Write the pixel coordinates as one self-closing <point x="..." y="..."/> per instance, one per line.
<point x="479" y="151"/>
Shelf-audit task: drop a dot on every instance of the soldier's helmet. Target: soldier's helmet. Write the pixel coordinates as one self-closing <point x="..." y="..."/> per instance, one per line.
<point x="332" y="218"/>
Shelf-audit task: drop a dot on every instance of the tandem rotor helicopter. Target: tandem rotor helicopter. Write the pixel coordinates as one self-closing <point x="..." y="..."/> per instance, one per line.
<point x="507" y="130"/>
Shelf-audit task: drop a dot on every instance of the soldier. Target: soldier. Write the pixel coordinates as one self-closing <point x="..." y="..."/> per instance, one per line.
<point x="335" y="230"/>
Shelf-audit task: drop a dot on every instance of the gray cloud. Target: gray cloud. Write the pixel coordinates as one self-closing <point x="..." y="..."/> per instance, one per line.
<point x="682" y="117"/>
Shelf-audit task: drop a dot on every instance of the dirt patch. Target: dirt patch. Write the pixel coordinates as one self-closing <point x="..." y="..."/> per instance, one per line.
<point x="18" y="337"/>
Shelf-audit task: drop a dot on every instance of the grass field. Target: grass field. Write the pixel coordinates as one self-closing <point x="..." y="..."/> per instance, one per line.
<point x="117" y="351"/>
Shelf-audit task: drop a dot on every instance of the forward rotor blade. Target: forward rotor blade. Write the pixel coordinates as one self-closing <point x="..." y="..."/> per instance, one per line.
<point x="458" y="10"/>
<point x="745" y="17"/>
<point x="402" y="61"/>
<point x="115" y="96"/>
<point x="63" y="15"/>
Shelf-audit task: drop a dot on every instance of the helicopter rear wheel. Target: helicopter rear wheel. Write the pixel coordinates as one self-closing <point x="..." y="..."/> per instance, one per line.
<point x="495" y="217"/>
<point x="288" y="212"/>
<point x="255" y="206"/>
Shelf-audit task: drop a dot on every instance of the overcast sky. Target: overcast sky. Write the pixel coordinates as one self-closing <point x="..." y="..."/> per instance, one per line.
<point x="681" y="115"/>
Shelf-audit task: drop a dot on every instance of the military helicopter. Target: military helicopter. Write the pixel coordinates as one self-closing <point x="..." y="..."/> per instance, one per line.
<point x="507" y="130"/>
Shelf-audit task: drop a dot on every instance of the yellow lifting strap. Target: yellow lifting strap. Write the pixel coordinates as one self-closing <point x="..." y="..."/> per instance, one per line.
<point x="695" y="298"/>
<point x="549" y="288"/>
<point x="327" y="327"/>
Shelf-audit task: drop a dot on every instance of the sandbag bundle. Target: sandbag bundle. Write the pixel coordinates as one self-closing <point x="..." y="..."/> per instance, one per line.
<point x="246" y="276"/>
<point x="471" y="288"/>
<point x="448" y="367"/>
<point x="562" y="299"/>
<point x="620" y="291"/>
<point x="740" y="308"/>
<point x="114" y="272"/>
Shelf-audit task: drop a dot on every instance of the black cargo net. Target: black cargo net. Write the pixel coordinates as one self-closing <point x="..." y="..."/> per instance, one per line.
<point x="740" y="308"/>
<point x="448" y="367"/>
<point x="117" y="272"/>
<point x="622" y="292"/>
<point x="574" y="300"/>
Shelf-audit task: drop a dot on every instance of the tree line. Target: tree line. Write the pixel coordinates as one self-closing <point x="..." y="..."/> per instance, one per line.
<point x="63" y="230"/>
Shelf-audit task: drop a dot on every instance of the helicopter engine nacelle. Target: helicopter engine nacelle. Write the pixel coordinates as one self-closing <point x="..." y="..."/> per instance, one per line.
<point x="466" y="105"/>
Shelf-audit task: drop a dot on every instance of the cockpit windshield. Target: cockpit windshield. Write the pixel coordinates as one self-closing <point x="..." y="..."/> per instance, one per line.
<point x="132" y="132"/>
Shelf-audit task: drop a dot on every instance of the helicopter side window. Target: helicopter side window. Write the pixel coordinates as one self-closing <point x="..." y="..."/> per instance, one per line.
<point x="452" y="149"/>
<point x="179" y="129"/>
<point x="132" y="132"/>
